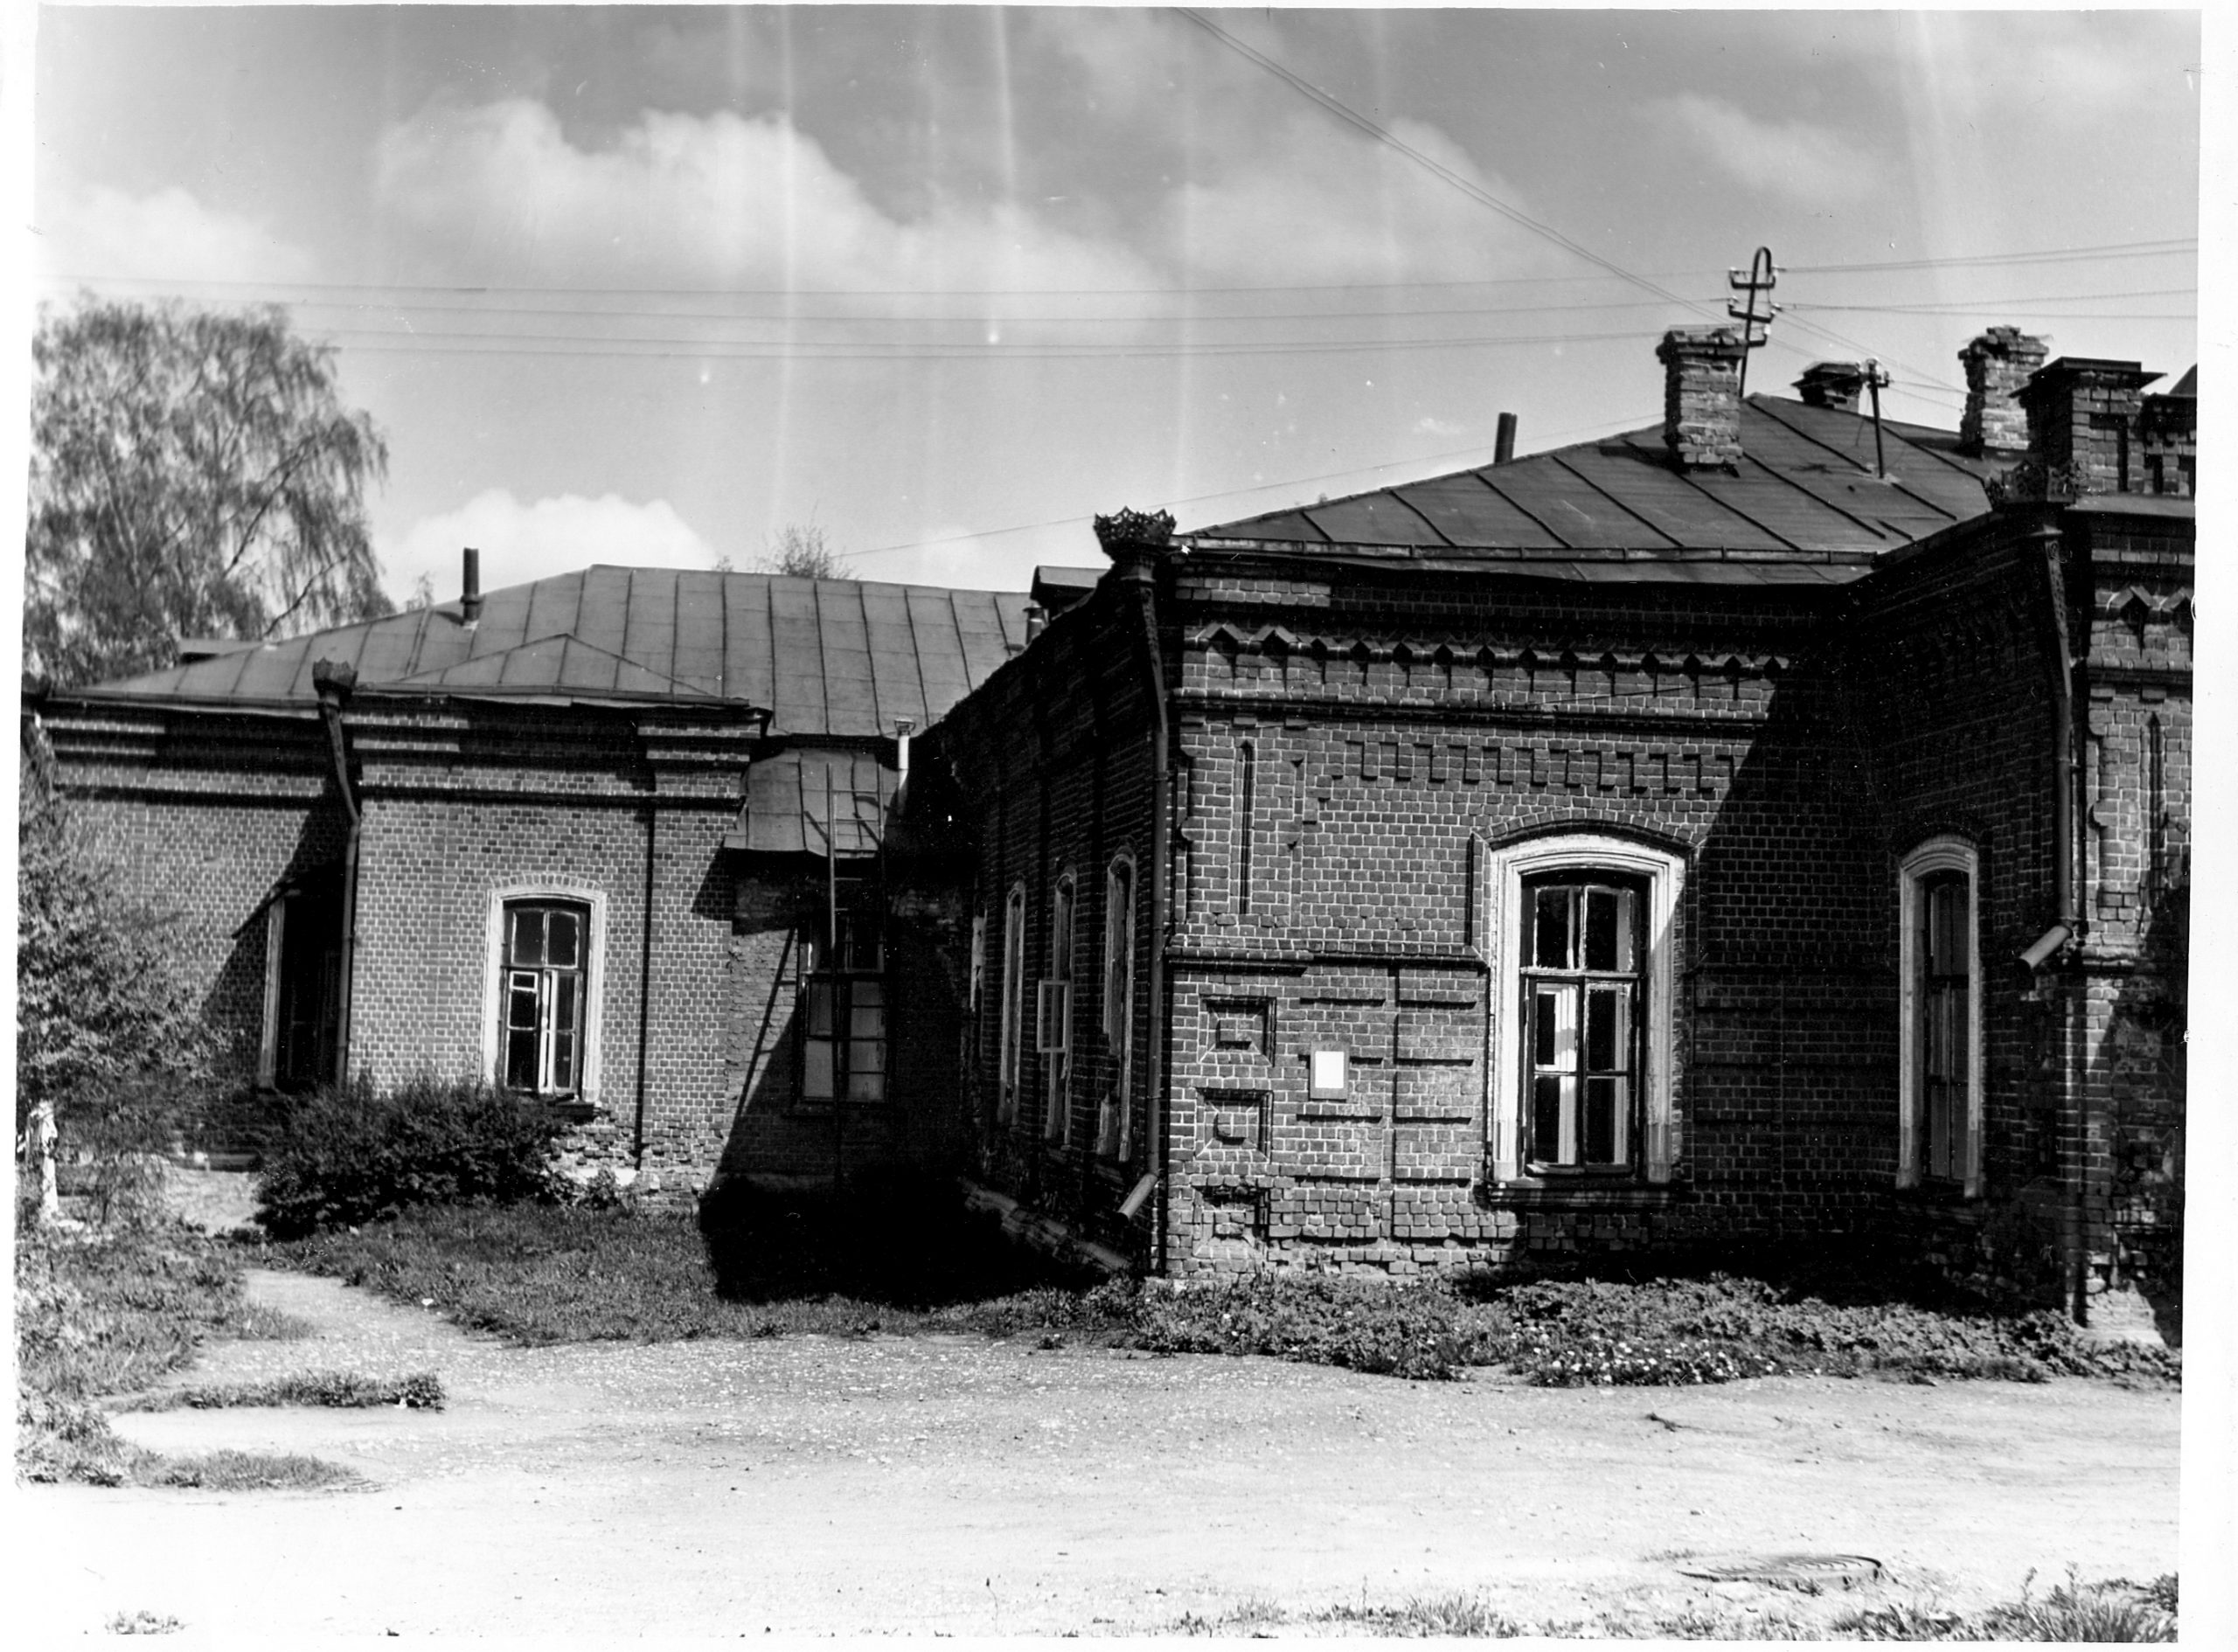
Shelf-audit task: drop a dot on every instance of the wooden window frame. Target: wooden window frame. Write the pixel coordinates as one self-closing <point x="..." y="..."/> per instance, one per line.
<point x="1056" y="1059"/>
<point x="1936" y="856"/>
<point x="1010" y="1055"/>
<point x="1663" y="874"/>
<point x="593" y="904"/>
<point x="1115" y="1135"/>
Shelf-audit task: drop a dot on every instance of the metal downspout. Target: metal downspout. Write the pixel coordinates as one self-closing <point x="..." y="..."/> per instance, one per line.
<point x="333" y="682"/>
<point x="2069" y="919"/>
<point x="1141" y="575"/>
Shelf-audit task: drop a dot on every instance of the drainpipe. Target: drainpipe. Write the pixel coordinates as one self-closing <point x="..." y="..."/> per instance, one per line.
<point x="1133" y="542"/>
<point x="334" y="681"/>
<point x="2067" y="922"/>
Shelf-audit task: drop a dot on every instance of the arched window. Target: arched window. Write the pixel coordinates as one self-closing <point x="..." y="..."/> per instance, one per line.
<point x="1013" y="990"/>
<point x="1053" y="1018"/>
<point x="544" y="989"/>
<point x="1582" y="937"/>
<point x="1113" y="1129"/>
<point x="1939" y="1116"/>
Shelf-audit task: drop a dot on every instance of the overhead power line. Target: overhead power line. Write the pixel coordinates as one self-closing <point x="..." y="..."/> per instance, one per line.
<point x="1483" y="449"/>
<point x="1476" y="191"/>
<point x="2113" y="250"/>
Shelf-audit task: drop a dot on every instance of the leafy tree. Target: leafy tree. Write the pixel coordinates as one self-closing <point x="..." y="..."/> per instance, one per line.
<point x="108" y="1037"/>
<point x="194" y="473"/>
<point x="801" y="551"/>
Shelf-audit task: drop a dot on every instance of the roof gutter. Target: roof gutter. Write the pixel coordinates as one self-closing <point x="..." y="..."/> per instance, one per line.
<point x="1135" y="543"/>
<point x="334" y="682"/>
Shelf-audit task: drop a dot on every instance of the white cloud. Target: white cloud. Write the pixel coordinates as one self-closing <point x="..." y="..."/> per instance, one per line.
<point x="99" y="232"/>
<point x="1810" y="165"/>
<point x="1431" y="425"/>
<point x="959" y="557"/>
<point x="523" y="542"/>
<point x="1318" y="203"/>
<point x="687" y="200"/>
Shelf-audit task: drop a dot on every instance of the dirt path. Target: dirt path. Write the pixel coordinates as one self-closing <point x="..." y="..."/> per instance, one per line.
<point x="808" y="1484"/>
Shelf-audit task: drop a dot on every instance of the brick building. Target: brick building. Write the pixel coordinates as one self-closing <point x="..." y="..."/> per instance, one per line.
<point x="583" y="835"/>
<point x="1769" y="823"/>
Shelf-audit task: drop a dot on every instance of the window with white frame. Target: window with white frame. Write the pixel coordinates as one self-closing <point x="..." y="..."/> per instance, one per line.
<point x="1010" y="1058"/>
<point x="546" y="967"/>
<point x="1581" y="928"/>
<point x="1113" y="1137"/>
<point x="843" y="1000"/>
<point x="1940" y="1046"/>
<point x="1581" y="1018"/>
<point x="1053" y="1018"/>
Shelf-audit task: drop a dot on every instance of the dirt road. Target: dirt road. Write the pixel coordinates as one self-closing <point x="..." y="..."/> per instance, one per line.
<point x="812" y="1484"/>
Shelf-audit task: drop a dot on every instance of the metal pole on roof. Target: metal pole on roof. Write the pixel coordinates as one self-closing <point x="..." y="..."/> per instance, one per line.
<point x="1763" y="276"/>
<point x="1874" y="380"/>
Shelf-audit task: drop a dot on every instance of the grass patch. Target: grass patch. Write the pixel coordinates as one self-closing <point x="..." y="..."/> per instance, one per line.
<point x="2116" y="1610"/>
<point x="249" y="1471"/>
<point x="110" y="1311"/>
<point x="144" y="1622"/>
<point x="907" y="1263"/>
<point x="343" y="1389"/>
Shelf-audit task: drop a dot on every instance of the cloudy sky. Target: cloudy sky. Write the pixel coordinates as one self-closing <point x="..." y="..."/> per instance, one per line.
<point x="647" y="285"/>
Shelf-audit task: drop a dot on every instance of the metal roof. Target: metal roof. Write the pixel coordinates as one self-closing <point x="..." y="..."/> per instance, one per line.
<point x="825" y="656"/>
<point x="816" y="803"/>
<point x="1803" y="506"/>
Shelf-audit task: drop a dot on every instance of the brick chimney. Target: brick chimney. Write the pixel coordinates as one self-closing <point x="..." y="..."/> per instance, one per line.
<point x="1832" y="383"/>
<point x="469" y="600"/>
<point x="1701" y="395"/>
<point x="2082" y="417"/>
<point x="1998" y="363"/>
<point x="2168" y="431"/>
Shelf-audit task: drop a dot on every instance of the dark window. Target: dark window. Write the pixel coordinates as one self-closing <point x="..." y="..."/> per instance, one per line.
<point x="547" y="945"/>
<point x="1945" y="1042"/>
<point x="843" y="1001"/>
<point x="1581" y="1007"/>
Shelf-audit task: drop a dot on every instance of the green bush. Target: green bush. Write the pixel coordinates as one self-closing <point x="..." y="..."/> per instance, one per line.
<point x="1359" y="1325"/>
<point x="344" y="1156"/>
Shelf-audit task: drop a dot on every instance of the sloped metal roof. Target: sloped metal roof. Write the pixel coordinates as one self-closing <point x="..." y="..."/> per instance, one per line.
<point x="825" y="656"/>
<point x="816" y="803"/>
<point x="1804" y="506"/>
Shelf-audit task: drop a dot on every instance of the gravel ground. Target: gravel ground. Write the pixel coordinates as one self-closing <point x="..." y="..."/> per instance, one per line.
<point x="813" y="1484"/>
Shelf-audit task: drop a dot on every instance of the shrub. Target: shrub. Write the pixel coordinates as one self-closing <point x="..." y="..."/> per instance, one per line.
<point x="1359" y="1325"/>
<point x="348" y="1156"/>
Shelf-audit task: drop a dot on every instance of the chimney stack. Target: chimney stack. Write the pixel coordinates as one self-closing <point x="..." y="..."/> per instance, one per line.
<point x="1504" y="442"/>
<point x="469" y="601"/>
<point x="2168" y="429"/>
<point x="1997" y="365"/>
<point x="1832" y="383"/>
<point x="1701" y="395"/>
<point x="2082" y="418"/>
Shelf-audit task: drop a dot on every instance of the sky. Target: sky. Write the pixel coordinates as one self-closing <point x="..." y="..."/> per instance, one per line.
<point x="651" y="286"/>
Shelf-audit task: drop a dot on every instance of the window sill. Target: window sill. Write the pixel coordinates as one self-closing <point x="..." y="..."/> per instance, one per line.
<point x="1585" y="1192"/>
<point x="1937" y="1195"/>
<point x="569" y="1109"/>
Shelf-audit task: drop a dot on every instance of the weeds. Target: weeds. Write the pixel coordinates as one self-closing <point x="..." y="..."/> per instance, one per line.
<point x="2114" y="1610"/>
<point x="421" y="1390"/>
<point x="250" y="1471"/>
<point x="144" y="1622"/>
<point x="110" y="1312"/>
<point x="904" y="1264"/>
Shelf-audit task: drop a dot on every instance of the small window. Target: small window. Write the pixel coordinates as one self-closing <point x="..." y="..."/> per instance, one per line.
<point x="1581" y="1004"/>
<point x="1940" y="1100"/>
<point x="843" y="1009"/>
<point x="1010" y="1057"/>
<point x="1113" y="1137"/>
<point x="1054" y="1042"/>
<point x="545" y="965"/>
